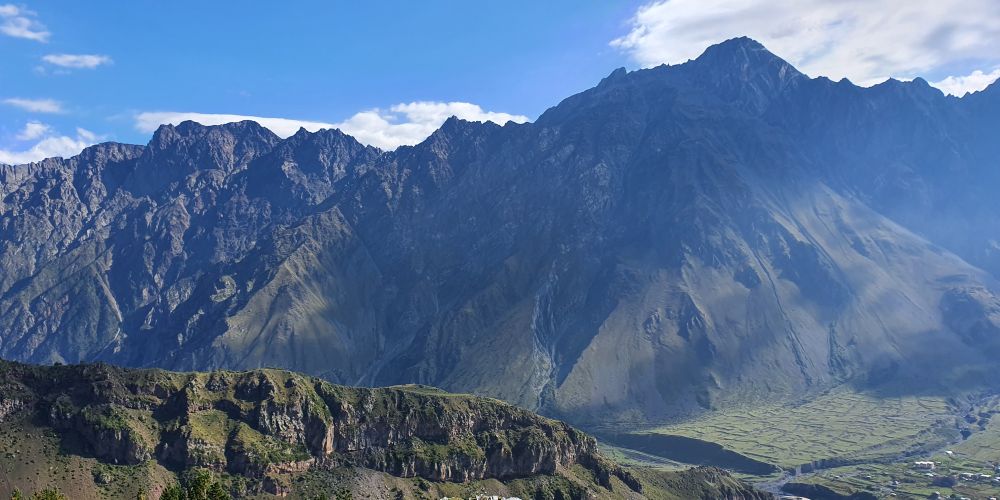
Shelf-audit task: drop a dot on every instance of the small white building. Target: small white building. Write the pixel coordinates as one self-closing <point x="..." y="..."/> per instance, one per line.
<point x="924" y="465"/>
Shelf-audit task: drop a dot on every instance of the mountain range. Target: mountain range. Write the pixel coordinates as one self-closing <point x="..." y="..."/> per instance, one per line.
<point x="675" y="239"/>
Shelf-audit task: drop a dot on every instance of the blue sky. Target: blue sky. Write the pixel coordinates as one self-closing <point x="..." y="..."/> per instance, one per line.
<point x="320" y="61"/>
<point x="74" y="73"/>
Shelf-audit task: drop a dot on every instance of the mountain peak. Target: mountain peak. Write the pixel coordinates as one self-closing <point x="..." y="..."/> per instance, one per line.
<point x="192" y="129"/>
<point x="916" y="88"/>
<point x="190" y="146"/>
<point x="453" y="121"/>
<point x="743" y="70"/>
<point x="744" y="54"/>
<point x="455" y="126"/>
<point x="737" y="43"/>
<point x="615" y="76"/>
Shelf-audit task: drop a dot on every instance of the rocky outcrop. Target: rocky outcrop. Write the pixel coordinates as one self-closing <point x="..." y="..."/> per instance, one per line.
<point x="268" y="423"/>
<point x="108" y="432"/>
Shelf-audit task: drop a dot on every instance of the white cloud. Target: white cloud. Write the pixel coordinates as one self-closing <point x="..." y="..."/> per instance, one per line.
<point x="33" y="130"/>
<point x="863" y="40"/>
<point x="84" y="61"/>
<point x="973" y="82"/>
<point x="401" y="124"/>
<point x="35" y="105"/>
<point x="50" y="146"/>
<point x="149" y="121"/>
<point x="410" y="123"/>
<point x="21" y="23"/>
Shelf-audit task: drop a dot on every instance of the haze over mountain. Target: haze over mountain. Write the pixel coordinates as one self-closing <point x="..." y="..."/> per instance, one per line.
<point x="675" y="238"/>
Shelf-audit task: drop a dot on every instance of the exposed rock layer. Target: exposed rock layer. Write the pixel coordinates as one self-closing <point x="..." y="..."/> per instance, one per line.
<point x="258" y="424"/>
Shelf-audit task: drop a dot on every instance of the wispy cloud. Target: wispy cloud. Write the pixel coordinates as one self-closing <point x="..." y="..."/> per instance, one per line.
<point x="401" y="124"/>
<point x="50" y="146"/>
<point x="19" y="22"/>
<point x="973" y="82"/>
<point x="863" y="40"/>
<point x="33" y="130"/>
<point x="35" y="105"/>
<point x="77" y="61"/>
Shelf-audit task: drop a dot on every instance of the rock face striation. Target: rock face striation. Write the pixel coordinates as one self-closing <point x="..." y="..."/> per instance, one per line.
<point x="673" y="239"/>
<point x="263" y="423"/>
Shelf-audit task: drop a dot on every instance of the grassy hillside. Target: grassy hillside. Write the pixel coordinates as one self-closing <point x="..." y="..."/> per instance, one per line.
<point x="100" y="431"/>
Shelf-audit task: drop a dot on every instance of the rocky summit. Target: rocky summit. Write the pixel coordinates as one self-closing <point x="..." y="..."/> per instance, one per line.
<point x="674" y="239"/>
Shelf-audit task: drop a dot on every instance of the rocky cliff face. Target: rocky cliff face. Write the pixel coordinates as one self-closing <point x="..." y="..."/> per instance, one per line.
<point x="264" y="423"/>
<point x="674" y="239"/>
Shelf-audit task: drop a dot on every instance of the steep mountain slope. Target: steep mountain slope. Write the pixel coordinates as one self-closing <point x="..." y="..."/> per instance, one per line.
<point x="677" y="238"/>
<point x="122" y="433"/>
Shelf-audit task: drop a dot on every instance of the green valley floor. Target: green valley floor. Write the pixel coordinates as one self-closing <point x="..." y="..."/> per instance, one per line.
<point x="851" y="443"/>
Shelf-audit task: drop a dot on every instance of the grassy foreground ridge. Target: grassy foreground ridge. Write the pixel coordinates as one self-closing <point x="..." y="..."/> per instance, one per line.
<point x="101" y="431"/>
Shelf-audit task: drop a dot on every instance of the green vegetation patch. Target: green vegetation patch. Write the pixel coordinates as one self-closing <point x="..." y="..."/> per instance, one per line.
<point x="210" y="426"/>
<point x="105" y="417"/>
<point x="263" y="450"/>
